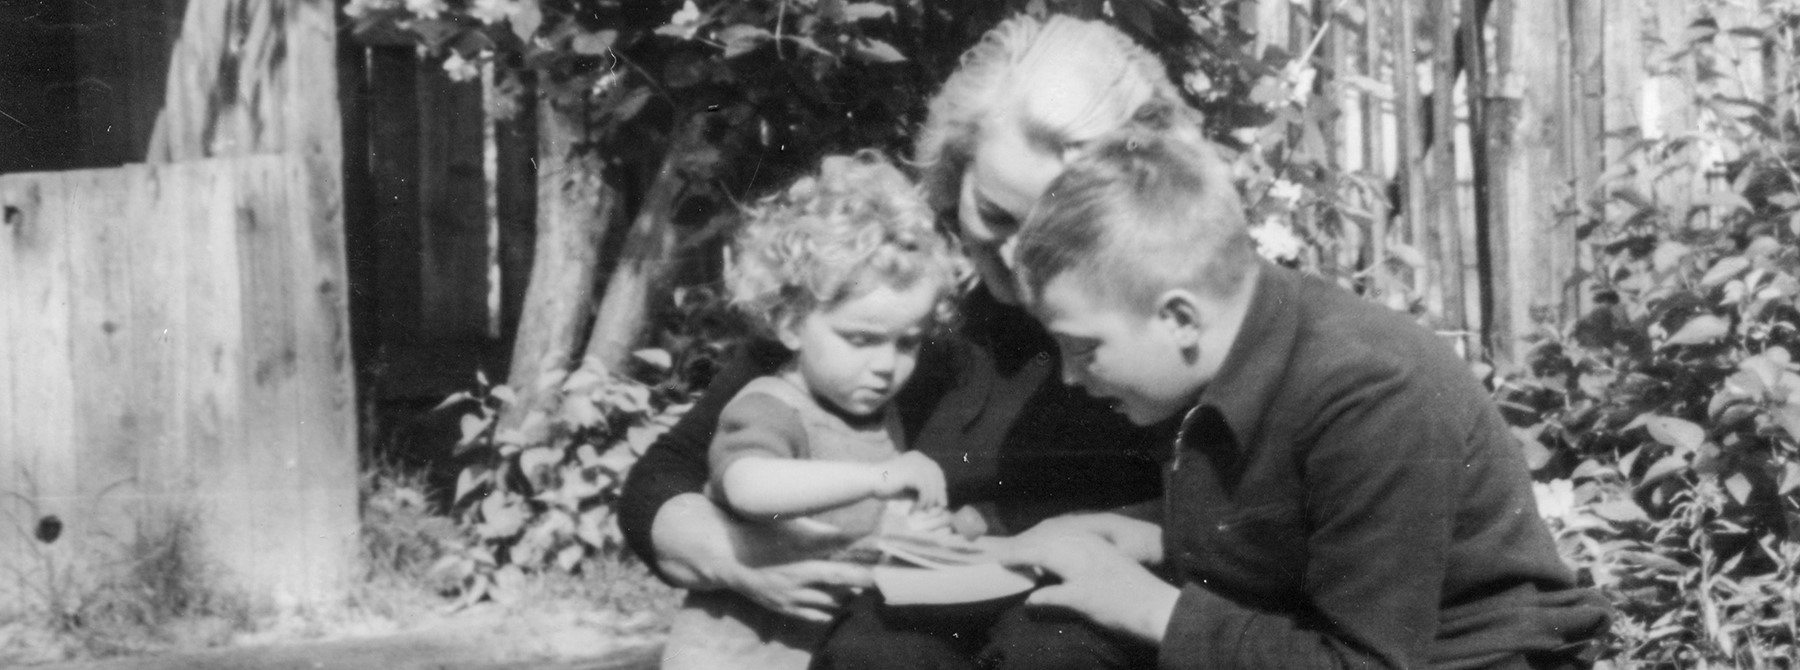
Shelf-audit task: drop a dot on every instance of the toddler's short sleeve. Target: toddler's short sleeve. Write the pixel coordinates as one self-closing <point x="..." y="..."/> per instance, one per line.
<point x="754" y="424"/>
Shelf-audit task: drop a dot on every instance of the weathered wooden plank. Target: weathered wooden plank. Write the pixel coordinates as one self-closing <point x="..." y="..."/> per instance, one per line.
<point x="158" y="334"/>
<point x="105" y="435"/>
<point x="394" y="154"/>
<point x="325" y="409"/>
<point x="259" y="485"/>
<point x="453" y="196"/>
<point x="43" y="386"/>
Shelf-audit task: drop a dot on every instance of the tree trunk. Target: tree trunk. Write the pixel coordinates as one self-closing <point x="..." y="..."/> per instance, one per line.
<point x="575" y="206"/>
<point x="645" y="255"/>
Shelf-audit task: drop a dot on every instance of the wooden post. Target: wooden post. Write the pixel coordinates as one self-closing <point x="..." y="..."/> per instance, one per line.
<point x="1444" y="215"/>
<point x="1530" y="173"/>
<point x="515" y="201"/>
<point x="1414" y="188"/>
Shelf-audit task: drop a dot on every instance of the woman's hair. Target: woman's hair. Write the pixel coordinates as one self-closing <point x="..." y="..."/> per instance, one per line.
<point x="1143" y="210"/>
<point x="1064" y="80"/>
<point x="856" y="225"/>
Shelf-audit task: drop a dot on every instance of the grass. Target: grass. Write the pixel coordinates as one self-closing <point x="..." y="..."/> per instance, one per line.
<point x="162" y="595"/>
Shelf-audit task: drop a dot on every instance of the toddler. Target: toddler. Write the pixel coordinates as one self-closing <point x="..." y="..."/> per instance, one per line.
<point x="847" y="271"/>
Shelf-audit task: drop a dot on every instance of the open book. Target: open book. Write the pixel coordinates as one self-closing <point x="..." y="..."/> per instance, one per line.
<point x="942" y="570"/>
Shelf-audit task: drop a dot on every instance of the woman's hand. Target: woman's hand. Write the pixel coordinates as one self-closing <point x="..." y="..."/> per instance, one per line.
<point x="1098" y="581"/>
<point x="916" y="473"/>
<point x="808" y="590"/>
<point x="700" y="547"/>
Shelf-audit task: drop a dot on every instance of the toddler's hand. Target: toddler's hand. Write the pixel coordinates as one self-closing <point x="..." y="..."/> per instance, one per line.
<point x="916" y="473"/>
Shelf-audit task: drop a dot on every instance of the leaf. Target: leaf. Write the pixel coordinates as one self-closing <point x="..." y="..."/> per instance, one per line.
<point x="535" y="429"/>
<point x="570" y="556"/>
<point x="1685" y="436"/>
<point x="639" y="438"/>
<point x="1788" y="417"/>
<point x="583" y="380"/>
<point x="473" y="479"/>
<point x="1668" y="255"/>
<point x="633" y="104"/>
<point x="655" y="358"/>
<point x="1620" y="511"/>
<point x="1739" y="487"/>
<point x="1650" y="560"/>
<point x="617" y="460"/>
<point x="1536" y="454"/>
<point x="1665" y="468"/>
<point x="504" y="394"/>
<point x="454" y="398"/>
<point x="1702" y="329"/>
<point x="741" y="39"/>
<point x="875" y="51"/>
<point x="534" y="462"/>
<point x="1790" y="479"/>
<point x="509" y="585"/>
<point x="500" y="517"/>
<point x="579" y="410"/>
<point x="591" y="527"/>
<point x="863" y="11"/>
<point x="1407" y="254"/>
<point x="526" y="21"/>
<point x="472" y="425"/>
<point x="597" y="43"/>
<point x="1727" y="268"/>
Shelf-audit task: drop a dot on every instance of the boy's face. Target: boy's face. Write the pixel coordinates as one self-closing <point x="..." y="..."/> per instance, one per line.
<point x="859" y="353"/>
<point x="1115" y="351"/>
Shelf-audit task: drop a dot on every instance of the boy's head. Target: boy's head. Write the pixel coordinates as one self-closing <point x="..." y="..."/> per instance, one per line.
<point x="847" y="269"/>
<point x="1138" y="260"/>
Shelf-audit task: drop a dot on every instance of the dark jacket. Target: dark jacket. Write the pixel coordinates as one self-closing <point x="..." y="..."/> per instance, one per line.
<point x="1346" y="494"/>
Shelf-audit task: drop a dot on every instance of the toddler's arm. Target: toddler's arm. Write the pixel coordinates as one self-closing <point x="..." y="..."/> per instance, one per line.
<point x="771" y="487"/>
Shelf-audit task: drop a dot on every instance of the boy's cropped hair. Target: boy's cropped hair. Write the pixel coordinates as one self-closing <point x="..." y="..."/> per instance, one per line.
<point x="856" y="224"/>
<point x="1146" y="209"/>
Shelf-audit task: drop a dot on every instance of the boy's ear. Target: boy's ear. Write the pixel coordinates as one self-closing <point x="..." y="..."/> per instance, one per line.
<point x="1179" y="310"/>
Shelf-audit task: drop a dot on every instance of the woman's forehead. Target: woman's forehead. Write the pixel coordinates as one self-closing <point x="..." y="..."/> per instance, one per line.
<point x="1009" y="171"/>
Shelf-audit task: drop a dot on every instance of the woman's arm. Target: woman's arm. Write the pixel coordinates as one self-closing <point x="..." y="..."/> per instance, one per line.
<point x="676" y="466"/>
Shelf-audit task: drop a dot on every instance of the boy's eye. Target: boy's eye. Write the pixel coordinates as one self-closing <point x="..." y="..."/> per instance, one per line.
<point x="861" y="339"/>
<point x="997" y="219"/>
<point x="1079" y="348"/>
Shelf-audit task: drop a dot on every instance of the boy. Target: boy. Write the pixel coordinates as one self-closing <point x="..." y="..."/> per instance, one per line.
<point x="1342" y="492"/>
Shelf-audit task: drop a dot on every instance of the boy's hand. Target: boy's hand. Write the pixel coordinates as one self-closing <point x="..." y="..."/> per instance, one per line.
<point x="1099" y="582"/>
<point x="916" y="473"/>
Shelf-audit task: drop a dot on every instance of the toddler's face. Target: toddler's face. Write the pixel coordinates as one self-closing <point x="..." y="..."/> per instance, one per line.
<point x="859" y="353"/>
<point x="1116" y="352"/>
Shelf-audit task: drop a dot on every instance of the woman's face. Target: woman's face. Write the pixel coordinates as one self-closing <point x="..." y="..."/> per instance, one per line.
<point x="1002" y="183"/>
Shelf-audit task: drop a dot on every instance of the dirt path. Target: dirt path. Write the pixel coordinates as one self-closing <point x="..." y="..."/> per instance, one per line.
<point x="493" y="639"/>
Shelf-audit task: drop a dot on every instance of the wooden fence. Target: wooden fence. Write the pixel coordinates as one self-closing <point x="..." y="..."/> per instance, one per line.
<point x="1497" y="133"/>
<point x="174" y="348"/>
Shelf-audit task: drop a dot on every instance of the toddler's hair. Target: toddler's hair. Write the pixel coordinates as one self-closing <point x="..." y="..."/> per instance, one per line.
<point x="856" y="225"/>
<point x="1143" y="210"/>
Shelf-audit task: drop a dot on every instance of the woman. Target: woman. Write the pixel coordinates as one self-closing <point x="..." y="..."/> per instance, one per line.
<point x="988" y="404"/>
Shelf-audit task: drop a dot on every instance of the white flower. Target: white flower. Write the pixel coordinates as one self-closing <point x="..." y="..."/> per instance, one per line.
<point x="1276" y="240"/>
<point x="493" y="11"/>
<point x="360" y="8"/>
<point x="1555" y="499"/>
<point x="1285" y="191"/>
<point x="1300" y="82"/>
<point x="427" y="9"/>
<point x="1197" y="83"/>
<point x="689" y="13"/>
<point x="461" y="69"/>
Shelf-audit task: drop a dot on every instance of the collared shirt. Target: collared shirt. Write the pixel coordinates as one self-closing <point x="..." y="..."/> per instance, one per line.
<point x="1345" y="494"/>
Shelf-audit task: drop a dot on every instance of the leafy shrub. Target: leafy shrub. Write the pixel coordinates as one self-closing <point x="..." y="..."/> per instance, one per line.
<point x="542" y="493"/>
<point x="1664" y="426"/>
